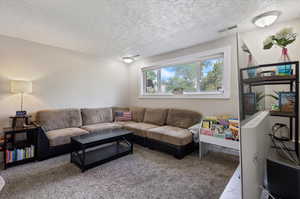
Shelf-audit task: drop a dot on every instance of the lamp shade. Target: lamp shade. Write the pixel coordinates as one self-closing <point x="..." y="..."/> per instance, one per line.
<point x="20" y="86"/>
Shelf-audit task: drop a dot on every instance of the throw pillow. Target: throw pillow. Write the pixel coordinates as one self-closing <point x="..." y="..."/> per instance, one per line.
<point x="123" y="116"/>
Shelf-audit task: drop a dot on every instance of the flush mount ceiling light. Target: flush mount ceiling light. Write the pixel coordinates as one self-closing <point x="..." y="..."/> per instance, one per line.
<point x="129" y="60"/>
<point x="266" y="19"/>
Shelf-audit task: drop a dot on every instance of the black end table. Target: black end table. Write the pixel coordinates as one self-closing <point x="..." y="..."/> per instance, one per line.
<point x="19" y="120"/>
<point x="88" y="150"/>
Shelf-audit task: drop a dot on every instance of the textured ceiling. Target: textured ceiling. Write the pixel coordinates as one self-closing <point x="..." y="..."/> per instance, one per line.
<point x="114" y="28"/>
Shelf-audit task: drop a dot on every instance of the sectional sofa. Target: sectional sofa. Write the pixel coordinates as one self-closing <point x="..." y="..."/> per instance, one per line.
<point x="162" y="129"/>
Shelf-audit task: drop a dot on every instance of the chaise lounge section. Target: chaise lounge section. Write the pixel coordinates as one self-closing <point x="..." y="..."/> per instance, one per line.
<point x="166" y="130"/>
<point x="57" y="128"/>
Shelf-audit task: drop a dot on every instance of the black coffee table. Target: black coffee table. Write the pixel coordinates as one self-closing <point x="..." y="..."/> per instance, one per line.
<point x="90" y="150"/>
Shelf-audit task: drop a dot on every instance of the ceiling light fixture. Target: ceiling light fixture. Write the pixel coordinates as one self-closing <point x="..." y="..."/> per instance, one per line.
<point x="129" y="60"/>
<point x="266" y="19"/>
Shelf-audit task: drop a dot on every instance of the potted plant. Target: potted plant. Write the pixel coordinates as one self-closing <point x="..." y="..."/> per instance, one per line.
<point x="282" y="39"/>
<point x="258" y="97"/>
<point x="274" y="107"/>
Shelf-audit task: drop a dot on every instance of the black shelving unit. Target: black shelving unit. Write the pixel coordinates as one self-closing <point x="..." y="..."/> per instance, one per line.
<point x="292" y="80"/>
<point x="11" y="144"/>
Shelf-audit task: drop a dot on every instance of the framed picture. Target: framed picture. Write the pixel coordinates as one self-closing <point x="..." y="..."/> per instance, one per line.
<point x="249" y="103"/>
<point x="287" y="102"/>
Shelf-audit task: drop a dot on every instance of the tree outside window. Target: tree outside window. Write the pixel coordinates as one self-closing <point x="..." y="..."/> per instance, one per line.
<point x="198" y="76"/>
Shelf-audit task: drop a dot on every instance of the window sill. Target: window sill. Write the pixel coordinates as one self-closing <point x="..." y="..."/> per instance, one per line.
<point x="211" y="95"/>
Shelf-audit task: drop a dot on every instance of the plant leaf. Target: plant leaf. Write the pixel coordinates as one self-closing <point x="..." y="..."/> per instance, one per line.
<point x="273" y="96"/>
<point x="268" y="46"/>
<point x="259" y="96"/>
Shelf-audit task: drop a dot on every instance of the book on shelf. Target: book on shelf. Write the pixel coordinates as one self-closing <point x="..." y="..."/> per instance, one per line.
<point x="18" y="154"/>
<point x="1" y="143"/>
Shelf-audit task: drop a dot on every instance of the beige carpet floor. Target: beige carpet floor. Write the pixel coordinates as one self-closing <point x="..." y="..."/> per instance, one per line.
<point x="145" y="174"/>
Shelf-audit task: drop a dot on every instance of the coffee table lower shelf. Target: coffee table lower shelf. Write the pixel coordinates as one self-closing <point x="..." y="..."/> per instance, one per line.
<point x="89" y="159"/>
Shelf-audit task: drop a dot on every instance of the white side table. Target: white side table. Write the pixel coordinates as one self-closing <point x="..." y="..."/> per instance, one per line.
<point x="206" y="139"/>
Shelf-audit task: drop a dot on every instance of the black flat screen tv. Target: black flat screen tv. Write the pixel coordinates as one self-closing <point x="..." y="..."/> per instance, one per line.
<point x="283" y="177"/>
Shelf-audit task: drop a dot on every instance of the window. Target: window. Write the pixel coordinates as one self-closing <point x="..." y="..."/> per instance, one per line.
<point x="197" y="76"/>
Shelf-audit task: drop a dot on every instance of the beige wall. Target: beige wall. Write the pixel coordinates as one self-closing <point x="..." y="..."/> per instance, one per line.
<point x="61" y="78"/>
<point x="205" y="106"/>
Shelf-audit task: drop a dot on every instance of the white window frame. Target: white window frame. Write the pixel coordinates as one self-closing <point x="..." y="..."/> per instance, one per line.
<point x="225" y="94"/>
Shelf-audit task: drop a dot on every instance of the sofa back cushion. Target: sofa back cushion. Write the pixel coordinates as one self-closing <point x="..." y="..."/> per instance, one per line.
<point x="96" y="115"/>
<point x="183" y="118"/>
<point x="137" y="113"/>
<point x="59" y="119"/>
<point x="156" y="116"/>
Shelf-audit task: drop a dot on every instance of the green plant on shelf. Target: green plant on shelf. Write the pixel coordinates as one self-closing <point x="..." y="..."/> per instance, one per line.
<point x="258" y="97"/>
<point x="275" y="96"/>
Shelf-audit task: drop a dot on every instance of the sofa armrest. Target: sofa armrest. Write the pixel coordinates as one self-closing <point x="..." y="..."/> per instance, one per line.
<point x="42" y="144"/>
<point x="195" y="131"/>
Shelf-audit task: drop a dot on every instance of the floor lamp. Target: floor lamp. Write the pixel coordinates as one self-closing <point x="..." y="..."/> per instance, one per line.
<point x="21" y="87"/>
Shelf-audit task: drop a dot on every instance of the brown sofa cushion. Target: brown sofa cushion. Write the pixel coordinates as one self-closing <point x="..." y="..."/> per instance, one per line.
<point x="63" y="136"/>
<point x="182" y="118"/>
<point x="137" y="113"/>
<point x="96" y="115"/>
<point x="94" y="128"/>
<point x="139" y="128"/>
<point x="170" y="134"/>
<point x="156" y="116"/>
<point x="123" y="123"/>
<point x="59" y="119"/>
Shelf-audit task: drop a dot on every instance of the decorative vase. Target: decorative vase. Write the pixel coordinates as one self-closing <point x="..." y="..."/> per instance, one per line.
<point x="251" y="72"/>
<point x="284" y="55"/>
<point x="287" y="68"/>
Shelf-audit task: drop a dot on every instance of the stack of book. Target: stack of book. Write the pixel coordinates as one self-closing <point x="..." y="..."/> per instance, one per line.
<point x="224" y="127"/>
<point x="19" y="154"/>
